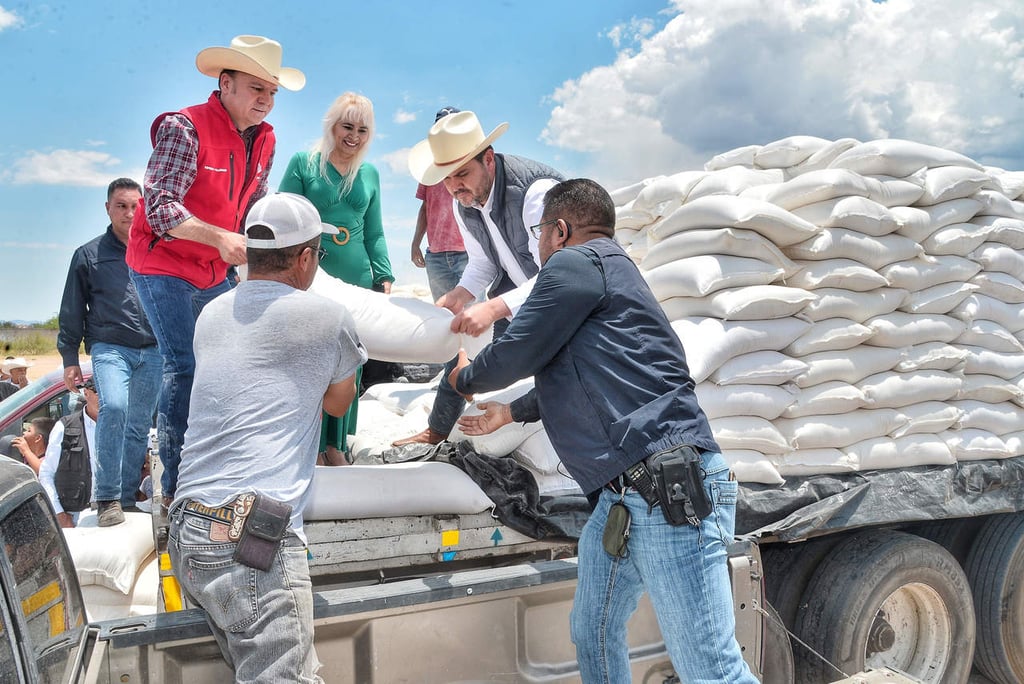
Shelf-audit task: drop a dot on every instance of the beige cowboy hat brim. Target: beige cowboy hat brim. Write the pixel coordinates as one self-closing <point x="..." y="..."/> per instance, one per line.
<point x="425" y="171"/>
<point x="213" y="60"/>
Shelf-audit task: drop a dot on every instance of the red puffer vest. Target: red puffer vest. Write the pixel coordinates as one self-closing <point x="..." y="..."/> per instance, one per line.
<point x="219" y="196"/>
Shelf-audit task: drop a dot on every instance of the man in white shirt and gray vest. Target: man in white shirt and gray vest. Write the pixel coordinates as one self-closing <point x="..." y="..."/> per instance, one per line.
<point x="496" y="197"/>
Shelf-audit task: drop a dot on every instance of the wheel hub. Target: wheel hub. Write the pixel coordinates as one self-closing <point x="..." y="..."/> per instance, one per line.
<point x="881" y="637"/>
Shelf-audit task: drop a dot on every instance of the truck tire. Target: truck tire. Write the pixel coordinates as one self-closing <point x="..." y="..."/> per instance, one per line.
<point x="956" y="536"/>
<point x="788" y="568"/>
<point x="995" y="570"/>
<point x="886" y="598"/>
<point x="778" y="667"/>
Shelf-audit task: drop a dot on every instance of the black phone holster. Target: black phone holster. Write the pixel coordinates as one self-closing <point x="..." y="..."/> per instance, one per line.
<point x="679" y="482"/>
<point x="262" y="532"/>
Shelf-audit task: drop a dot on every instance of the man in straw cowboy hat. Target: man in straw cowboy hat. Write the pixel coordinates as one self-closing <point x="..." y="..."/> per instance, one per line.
<point x="210" y="163"/>
<point x="496" y="197"/>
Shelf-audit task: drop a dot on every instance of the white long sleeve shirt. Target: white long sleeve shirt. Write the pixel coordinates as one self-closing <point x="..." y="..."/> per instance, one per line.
<point x="48" y="468"/>
<point x="480" y="272"/>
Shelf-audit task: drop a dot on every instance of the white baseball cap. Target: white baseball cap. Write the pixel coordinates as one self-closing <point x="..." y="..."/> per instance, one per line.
<point x="291" y="218"/>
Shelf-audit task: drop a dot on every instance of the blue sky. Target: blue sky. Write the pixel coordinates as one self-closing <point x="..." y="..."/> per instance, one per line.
<point x="617" y="90"/>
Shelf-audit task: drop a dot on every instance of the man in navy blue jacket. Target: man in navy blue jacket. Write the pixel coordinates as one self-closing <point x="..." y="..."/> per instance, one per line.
<point x="101" y="307"/>
<point x="613" y="389"/>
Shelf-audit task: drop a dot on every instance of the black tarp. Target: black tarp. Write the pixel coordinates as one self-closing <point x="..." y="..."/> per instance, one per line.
<point x="801" y="508"/>
<point x="815" y="505"/>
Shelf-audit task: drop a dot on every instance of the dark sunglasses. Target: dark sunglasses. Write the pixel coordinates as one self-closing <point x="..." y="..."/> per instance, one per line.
<point x="87" y="385"/>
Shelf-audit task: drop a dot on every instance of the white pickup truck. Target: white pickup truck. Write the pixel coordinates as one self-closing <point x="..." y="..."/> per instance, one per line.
<point x="441" y="598"/>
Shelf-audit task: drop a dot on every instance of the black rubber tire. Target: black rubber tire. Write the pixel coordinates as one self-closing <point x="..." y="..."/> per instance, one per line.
<point x="995" y="570"/>
<point x="787" y="570"/>
<point x="903" y="573"/>
<point x="956" y="536"/>
<point x="777" y="666"/>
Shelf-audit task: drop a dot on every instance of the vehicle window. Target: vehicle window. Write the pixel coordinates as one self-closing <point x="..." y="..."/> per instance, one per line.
<point x="50" y="604"/>
<point x="57" y="407"/>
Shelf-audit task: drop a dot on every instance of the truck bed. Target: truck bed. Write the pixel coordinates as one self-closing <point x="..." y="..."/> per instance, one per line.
<point x="379" y="549"/>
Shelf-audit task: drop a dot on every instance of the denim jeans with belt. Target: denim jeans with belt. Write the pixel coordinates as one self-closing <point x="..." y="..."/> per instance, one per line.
<point x="444" y="269"/>
<point x="262" y="620"/>
<point x="128" y="384"/>
<point x="684" y="571"/>
<point x="172" y="306"/>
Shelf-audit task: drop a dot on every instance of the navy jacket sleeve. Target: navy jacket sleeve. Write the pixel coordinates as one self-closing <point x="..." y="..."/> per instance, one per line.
<point x="71" y="319"/>
<point x="526" y="409"/>
<point x="568" y="288"/>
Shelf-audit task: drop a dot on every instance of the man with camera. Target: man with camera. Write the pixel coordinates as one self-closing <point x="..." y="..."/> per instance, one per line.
<point x="68" y="471"/>
<point x="618" y="404"/>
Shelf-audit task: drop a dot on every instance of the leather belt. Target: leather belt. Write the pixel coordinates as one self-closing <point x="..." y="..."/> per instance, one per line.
<point x="232" y="514"/>
<point x="617" y="485"/>
<point x="639" y="477"/>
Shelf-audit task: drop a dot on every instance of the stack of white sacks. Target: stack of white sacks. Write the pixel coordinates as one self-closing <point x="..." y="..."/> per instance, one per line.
<point x="844" y="306"/>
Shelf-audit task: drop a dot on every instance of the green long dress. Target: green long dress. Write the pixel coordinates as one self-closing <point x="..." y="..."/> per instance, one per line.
<point x="358" y="255"/>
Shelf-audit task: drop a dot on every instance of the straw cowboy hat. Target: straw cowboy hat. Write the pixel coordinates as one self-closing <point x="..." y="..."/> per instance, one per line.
<point x="453" y="141"/>
<point x="10" y="364"/>
<point x="254" y="55"/>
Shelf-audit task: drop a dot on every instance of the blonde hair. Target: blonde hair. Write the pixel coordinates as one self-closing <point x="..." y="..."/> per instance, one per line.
<point x="351" y="108"/>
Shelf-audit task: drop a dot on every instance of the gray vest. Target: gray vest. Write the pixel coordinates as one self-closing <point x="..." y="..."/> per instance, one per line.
<point x="512" y="177"/>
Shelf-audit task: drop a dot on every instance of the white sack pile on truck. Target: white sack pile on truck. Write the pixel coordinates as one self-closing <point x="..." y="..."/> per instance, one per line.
<point x="844" y="306"/>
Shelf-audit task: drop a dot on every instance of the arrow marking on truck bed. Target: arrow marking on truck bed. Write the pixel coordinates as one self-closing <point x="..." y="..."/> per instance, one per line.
<point x="496" y="537"/>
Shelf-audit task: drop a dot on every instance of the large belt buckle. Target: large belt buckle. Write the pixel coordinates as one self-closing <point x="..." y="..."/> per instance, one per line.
<point x="342" y="231"/>
<point x="241" y="507"/>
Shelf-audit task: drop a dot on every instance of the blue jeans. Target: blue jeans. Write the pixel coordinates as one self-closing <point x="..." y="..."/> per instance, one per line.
<point x="449" y="404"/>
<point x="444" y="269"/>
<point x="685" y="573"/>
<point x="172" y="306"/>
<point x="262" y="620"/>
<point x="128" y="384"/>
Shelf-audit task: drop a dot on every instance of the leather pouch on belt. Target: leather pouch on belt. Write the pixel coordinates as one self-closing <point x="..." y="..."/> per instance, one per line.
<point x="264" y="528"/>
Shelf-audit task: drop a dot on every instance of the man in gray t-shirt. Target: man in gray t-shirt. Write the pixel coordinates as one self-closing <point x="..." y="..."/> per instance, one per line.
<point x="269" y="355"/>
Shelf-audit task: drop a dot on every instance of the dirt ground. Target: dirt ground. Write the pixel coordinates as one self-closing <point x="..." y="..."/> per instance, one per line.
<point x="44" y="363"/>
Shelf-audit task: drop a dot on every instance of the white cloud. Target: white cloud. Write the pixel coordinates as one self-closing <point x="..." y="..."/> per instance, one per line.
<point x="34" y="245"/>
<point x="397" y="161"/>
<point x="403" y="117"/>
<point x="82" y="168"/>
<point x="726" y="73"/>
<point x="8" y="19"/>
<point x="625" y="35"/>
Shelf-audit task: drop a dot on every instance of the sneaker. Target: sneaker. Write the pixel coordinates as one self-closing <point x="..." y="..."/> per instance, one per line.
<point x="109" y="513"/>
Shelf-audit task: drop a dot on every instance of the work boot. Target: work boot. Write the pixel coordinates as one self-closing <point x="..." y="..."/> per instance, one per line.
<point x="428" y="436"/>
<point x="109" y="513"/>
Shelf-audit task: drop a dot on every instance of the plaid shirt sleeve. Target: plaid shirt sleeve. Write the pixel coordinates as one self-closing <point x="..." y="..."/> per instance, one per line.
<point x="170" y="173"/>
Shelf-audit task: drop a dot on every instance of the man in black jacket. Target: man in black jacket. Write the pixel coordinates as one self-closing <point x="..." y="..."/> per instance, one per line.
<point x="101" y="307"/>
<point x="618" y="403"/>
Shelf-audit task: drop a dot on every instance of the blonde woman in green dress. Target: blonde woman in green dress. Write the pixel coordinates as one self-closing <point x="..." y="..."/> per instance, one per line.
<point x="346" y="192"/>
